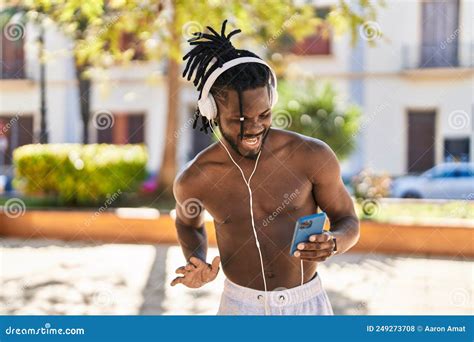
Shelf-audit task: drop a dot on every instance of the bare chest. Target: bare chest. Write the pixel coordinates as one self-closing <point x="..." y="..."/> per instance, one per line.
<point x="277" y="190"/>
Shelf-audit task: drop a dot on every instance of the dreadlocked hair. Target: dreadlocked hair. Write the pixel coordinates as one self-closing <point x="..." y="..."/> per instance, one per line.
<point x="211" y="51"/>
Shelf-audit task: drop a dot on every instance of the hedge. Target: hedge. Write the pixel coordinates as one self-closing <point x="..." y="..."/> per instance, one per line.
<point x="79" y="174"/>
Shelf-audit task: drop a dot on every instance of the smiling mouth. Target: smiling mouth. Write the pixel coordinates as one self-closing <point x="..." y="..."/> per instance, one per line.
<point x="252" y="142"/>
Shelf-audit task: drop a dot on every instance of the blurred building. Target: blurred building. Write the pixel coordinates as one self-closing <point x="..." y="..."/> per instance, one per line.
<point x="128" y="103"/>
<point x="412" y="74"/>
<point x="415" y="86"/>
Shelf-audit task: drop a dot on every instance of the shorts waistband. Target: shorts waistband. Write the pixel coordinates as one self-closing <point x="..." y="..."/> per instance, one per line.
<point x="279" y="297"/>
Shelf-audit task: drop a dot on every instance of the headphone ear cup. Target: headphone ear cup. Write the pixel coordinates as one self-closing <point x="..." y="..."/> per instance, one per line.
<point x="207" y="107"/>
<point x="202" y="107"/>
<point x="212" y="107"/>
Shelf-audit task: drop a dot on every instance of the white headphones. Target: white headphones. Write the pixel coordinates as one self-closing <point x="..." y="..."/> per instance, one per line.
<point x="207" y="105"/>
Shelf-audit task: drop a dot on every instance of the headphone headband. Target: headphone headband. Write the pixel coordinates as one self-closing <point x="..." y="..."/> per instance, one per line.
<point x="206" y="102"/>
<point x="226" y="66"/>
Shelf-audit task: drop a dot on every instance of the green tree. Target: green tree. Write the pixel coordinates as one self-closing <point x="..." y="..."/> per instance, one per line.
<point x="161" y="27"/>
<point x="94" y="28"/>
<point x="314" y="110"/>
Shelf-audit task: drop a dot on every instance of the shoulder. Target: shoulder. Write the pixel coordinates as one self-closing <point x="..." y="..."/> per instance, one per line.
<point x="302" y="145"/>
<point x="285" y="141"/>
<point x="191" y="179"/>
<point x="313" y="155"/>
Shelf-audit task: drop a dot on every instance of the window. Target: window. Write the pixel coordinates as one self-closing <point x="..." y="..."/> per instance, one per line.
<point x="12" y="63"/>
<point x="440" y="32"/>
<point x="15" y="131"/>
<point x="456" y="149"/>
<point x="444" y="172"/>
<point x="464" y="171"/>
<point x="126" y="129"/>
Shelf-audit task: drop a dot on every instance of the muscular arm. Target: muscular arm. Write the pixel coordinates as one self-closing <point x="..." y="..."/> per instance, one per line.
<point x="192" y="234"/>
<point x="193" y="241"/>
<point x="189" y="219"/>
<point x="332" y="197"/>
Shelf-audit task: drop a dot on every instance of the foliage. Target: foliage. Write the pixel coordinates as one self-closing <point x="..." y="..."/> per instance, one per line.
<point x="369" y="185"/>
<point x="317" y="111"/>
<point x="96" y="26"/>
<point x="79" y="174"/>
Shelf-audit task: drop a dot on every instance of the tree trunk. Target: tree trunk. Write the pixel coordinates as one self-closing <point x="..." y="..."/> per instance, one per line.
<point x="168" y="166"/>
<point x="84" y="100"/>
<point x="44" y="134"/>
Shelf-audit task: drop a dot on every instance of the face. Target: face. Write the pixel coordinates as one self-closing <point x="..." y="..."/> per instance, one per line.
<point x="258" y="118"/>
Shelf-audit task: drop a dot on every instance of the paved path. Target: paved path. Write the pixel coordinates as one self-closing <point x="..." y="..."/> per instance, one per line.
<point x="53" y="277"/>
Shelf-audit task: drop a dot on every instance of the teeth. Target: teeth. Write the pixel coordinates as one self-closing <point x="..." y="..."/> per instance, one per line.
<point x="251" y="141"/>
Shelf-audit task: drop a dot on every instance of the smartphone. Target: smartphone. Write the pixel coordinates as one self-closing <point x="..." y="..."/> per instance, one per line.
<point x="305" y="227"/>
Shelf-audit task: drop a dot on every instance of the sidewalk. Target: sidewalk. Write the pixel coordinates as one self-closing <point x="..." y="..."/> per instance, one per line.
<point x="53" y="277"/>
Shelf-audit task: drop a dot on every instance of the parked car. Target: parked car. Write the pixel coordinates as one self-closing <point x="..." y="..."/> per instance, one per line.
<point x="6" y="177"/>
<point x="446" y="181"/>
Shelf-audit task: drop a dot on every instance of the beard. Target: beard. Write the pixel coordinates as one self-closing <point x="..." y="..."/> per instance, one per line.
<point x="233" y="143"/>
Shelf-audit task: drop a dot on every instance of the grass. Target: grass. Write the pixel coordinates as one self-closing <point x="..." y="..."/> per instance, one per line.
<point x="385" y="211"/>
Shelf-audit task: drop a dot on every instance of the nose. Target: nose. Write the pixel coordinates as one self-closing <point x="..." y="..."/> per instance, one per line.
<point x="253" y="128"/>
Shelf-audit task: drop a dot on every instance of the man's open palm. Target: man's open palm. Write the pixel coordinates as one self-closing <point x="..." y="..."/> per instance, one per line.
<point x="197" y="272"/>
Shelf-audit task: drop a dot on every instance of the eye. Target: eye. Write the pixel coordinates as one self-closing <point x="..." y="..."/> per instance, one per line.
<point x="264" y="116"/>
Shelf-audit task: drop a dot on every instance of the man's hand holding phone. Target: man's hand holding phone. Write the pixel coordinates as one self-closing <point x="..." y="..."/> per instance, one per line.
<point x="318" y="248"/>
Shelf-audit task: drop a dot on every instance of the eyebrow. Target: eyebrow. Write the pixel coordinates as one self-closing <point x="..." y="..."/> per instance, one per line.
<point x="238" y="117"/>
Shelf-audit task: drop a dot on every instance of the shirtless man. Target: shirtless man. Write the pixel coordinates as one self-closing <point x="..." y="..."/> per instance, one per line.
<point x="296" y="174"/>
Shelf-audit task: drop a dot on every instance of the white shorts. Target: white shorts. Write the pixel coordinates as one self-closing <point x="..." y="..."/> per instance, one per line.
<point x="307" y="299"/>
